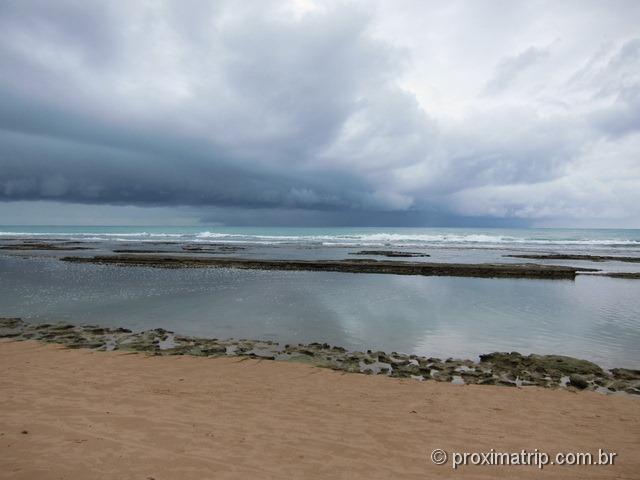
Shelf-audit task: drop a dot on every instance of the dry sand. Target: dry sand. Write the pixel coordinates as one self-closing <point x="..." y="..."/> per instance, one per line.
<point x="91" y="415"/>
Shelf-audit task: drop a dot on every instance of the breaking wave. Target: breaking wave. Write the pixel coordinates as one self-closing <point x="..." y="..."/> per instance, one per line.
<point x="334" y="237"/>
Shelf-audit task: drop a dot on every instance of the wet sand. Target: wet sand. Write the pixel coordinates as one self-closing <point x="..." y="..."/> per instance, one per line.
<point x="113" y="415"/>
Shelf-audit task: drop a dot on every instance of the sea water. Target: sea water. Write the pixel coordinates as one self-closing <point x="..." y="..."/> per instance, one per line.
<point x="596" y="318"/>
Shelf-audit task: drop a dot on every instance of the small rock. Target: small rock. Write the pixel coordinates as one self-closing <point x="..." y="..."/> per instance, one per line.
<point x="578" y="381"/>
<point x="625" y="374"/>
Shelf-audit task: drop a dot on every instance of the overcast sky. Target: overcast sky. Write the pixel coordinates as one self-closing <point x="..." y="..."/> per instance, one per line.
<point x="390" y="112"/>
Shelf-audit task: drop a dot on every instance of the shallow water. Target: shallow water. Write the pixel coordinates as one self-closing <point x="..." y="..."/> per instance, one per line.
<point x="593" y="317"/>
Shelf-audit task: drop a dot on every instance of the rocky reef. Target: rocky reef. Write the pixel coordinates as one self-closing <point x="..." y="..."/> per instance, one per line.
<point x="44" y="246"/>
<point x="570" y="256"/>
<point x="390" y="253"/>
<point x="483" y="270"/>
<point x="627" y="275"/>
<point x="499" y="368"/>
<point x="215" y="248"/>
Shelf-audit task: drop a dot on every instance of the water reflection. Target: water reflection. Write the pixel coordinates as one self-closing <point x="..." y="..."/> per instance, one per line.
<point x="594" y="318"/>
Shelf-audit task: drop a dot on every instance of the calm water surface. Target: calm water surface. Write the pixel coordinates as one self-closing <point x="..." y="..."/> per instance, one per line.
<point x="594" y="318"/>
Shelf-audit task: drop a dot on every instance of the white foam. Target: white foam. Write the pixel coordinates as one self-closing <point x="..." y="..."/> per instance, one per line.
<point x="346" y="240"/>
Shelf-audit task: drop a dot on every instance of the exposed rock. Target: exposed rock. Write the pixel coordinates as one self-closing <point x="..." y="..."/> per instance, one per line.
<point x="498" y="368"/>
<point x="43" y="246"/>
<point x="554" y="365"/>
<point x="626" y="374"/>
<point x="627" y="275"/>
<point x="141" y="250"/>
<point x="578" y="381"/>
<point x="390" y="253"/>
<point x="570" y="256"/>
<point x="483" y="270"/>
<point x="212" y="248"/>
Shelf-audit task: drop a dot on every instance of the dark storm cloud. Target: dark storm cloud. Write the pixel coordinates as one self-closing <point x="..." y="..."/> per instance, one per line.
<point x="262" y="100"/>
<point x="284" y="107"/>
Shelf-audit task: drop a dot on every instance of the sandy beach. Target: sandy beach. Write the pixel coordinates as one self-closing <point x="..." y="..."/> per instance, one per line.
<point x="79" y="414"/>
<point x="319" y="239"/>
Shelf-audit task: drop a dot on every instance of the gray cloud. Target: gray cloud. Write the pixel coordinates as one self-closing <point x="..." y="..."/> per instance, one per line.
<point x="510" y="68"/>
<point x="312" y="114"/>
<point x="617" y="80"/>
<point x="252" y="118"/>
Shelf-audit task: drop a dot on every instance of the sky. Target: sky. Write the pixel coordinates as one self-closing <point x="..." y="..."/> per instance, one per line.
<point x="320" y="113"/>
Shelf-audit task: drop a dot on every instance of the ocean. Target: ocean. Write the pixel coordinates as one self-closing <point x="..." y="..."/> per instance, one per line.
<point x="587" y="239"/>
<point x="592" y="317"/>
